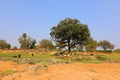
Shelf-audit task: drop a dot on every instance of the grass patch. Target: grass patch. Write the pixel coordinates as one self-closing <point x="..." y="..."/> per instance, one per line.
<point x="115" y="57"/>
<point x="52" y="59"/>
<point x="8" y="55"/>
<point x="9" y="72"/>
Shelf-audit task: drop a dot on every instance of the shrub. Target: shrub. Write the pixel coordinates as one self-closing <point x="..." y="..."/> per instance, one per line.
<point x="100" y="57"/>
<point x="117" y="50"/>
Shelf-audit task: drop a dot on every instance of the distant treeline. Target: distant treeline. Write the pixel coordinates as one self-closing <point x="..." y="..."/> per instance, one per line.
<point x="69" y="34"/>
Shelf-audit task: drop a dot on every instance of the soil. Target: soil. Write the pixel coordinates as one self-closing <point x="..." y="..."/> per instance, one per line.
<point x="72" y="71"/>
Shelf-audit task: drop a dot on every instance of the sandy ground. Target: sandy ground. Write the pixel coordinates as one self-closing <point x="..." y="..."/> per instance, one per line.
<point x="74" y="71"/>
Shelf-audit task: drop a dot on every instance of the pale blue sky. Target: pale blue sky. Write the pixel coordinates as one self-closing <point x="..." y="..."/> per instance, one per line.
<point x="36" y="18"/>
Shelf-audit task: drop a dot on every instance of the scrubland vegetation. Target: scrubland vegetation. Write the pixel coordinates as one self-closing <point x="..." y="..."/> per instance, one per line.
<point x="70" y="42"/>
<point x="55" y="57"/>
<point x="67" y="52"/>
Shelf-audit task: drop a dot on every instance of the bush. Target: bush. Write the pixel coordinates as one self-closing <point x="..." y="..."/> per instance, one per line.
<point x="117" y="50"/>
<point x="57" y="54"/>
<point x="100" y="57"/>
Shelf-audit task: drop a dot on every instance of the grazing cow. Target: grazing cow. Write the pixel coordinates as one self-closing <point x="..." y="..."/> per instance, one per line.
<point x="19" y="56"/>
<point x="32" y="54"/>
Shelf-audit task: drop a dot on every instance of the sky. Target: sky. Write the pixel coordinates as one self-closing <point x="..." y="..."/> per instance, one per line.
<point x="37" y="17"/>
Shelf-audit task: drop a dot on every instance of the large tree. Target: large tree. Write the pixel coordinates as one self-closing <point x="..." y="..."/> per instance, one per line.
<point x="105" y="45"/>
<point x="70" y="32"/>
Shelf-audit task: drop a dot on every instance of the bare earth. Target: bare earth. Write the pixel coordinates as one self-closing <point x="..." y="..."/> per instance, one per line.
<point x="74" y="71"/>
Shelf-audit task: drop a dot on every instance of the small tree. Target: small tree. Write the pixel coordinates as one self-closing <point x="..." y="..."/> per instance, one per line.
<point x="4" y="45"/>
<point x="46" y="44"/>
<point x="91" y="45"/>
<point x="26" y="42"/>
<point x="23" y="41"/>
<point x="105" y="45"/>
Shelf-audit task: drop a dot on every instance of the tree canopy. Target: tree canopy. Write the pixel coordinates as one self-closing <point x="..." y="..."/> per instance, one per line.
<point x="105" y="45"/>
<point x="46" y="44"/>
<point x="91" y="45"/>
<point x="27" y="42"/>
<point x="4" y="45"/>
<point x="70" y="32"/>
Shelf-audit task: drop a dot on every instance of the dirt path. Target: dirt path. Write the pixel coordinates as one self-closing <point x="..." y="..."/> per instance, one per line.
<point x="75" y="71"/>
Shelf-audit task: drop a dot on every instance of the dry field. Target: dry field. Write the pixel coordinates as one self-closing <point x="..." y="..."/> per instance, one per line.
<point x="10" y="70"/>
<point x="74" y="71"/>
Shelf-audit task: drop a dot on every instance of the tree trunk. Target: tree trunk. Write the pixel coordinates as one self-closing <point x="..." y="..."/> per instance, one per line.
<point x="69" y="47"/>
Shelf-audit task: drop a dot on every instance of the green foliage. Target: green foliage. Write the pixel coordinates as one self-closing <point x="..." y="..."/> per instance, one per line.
<point x="4" y="45"/>
<point x="27" y="42"/>
<point x="52" y="59"/>
<point x="91" y="45"/>
<point x="24" y="41"/>
<point x="111" y="57"/>
<point x="32" y="44"/>
<point x="46" y="44"/>
<point x="9" y="72"/>
<point x="117" y="50"/>
<point x="70" y="32"/>
<point x="105" y="45"/>
<point x="24" y="35"/>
